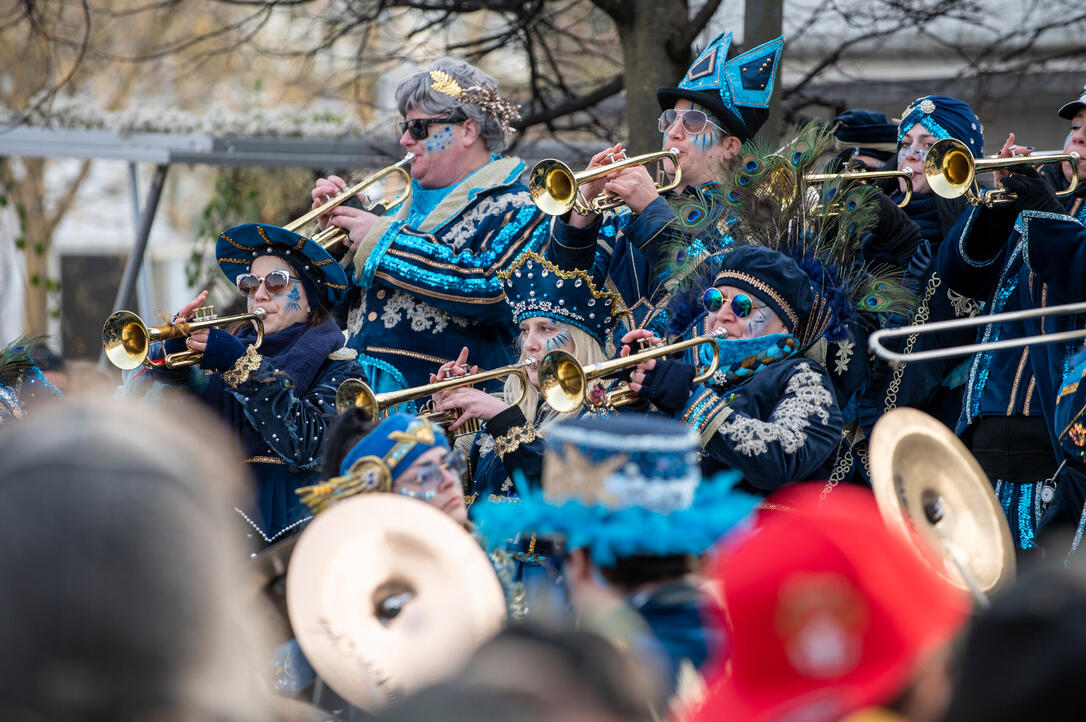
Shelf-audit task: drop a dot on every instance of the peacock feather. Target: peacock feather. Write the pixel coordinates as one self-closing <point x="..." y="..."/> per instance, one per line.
<point x="16" y="359"/>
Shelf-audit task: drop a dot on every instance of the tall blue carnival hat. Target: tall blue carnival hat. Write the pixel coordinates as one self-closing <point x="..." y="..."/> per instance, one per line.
<point x="374" y="462"/>
<point x="736" y="91"/>
<point x="324" y="279"/>
<point x="536" y="287"/>
<point x="944" y="117"/>
<point x="621" y="486"/>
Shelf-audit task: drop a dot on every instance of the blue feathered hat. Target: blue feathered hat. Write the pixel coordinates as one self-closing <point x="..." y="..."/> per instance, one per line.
<point x="536" y="287"/>
<point x="944" y="117"/>
<point x="324" y="279"/>
<point x="621" y="486"/>
<point x="736" y="91"/>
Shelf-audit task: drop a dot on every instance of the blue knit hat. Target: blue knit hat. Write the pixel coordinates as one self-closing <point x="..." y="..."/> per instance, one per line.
<point x="944" y="117"/>
<point x="536" y="287"/>
<point x="736" y="91"/>
<point x="324" y="279"/>
<point x="621" y="486"/>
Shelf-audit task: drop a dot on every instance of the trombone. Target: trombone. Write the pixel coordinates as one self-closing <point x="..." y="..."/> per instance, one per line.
<point x="556" y="188"/>
<point x="332" y="235"/>
<point x="354" y="392"/>
<point x="127" y="339"/>
<point x="864" y="176"/>
<point x="875" y="340"/>
<point x="951" y="171"/>
<point x="564" y="382"/>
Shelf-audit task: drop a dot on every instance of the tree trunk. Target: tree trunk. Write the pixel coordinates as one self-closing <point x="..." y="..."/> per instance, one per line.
<point x="763" y="20"/>
<point x="644" y="29"/>
<point x="29" y="195"/>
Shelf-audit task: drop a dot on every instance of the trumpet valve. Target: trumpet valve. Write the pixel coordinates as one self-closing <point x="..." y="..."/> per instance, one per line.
<point x="203" y="313"/>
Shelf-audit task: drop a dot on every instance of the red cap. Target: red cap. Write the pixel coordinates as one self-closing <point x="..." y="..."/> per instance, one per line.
<point x="827" y="612"/>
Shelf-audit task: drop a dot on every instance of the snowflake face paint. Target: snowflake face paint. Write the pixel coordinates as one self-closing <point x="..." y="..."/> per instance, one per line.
<point x="293" y="298"/>
<point x="282" y="309"/>
<point x="439" y="139"/>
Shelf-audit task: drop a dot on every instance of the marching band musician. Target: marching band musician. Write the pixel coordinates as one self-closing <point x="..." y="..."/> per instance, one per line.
<point x="280" y="397"/>
<point x="718" y="106"/>
<point x="1021" y="254"/>
<point x="423" y="276"/>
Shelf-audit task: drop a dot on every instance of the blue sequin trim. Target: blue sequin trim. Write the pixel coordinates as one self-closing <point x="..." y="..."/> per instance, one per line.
<point x="703" y="409"/>
<point x="443" y="253"/>
<point x="365" y="277"/>
<point x="924" y="119"/>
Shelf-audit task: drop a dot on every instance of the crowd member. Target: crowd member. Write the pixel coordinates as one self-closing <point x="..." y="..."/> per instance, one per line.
<point x="827" y="613"/>
<point x="121" y="596"/>
<point x="719" y="105"/>
<point x="626" y="498"/>
<point x="424" y="276"/>
<point x="1022" y="254"/>
<point x="554" y="309"/>
<point x="278" y="398"/>
<point x="22" y="382"/>
<point x="870" y="133"/>
<point x="1060" y="176"/>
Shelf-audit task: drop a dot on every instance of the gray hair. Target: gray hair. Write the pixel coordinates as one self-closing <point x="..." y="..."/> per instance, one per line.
<point x="414" y="92"/>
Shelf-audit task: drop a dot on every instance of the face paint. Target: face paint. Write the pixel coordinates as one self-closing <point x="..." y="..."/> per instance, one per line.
<point x="706" y="140"/>
<point x="293" y="298"/>
<point x="919" y="150"/>
<point x="560" y="340"/>
<point x="757" y="322"/>
<point x="440" y="139"/>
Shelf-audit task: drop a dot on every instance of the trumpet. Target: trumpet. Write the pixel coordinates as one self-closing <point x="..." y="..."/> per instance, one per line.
<point x="564" y="382"/>
<point x="354" y="392"/>
<point x="127" y="339"/>
<point x="556" y="188"/>
<point x="876" y="340"/>
<point x="951" y="171"/>
<point x="864" y="176"/>
<point x="332" y="235"/>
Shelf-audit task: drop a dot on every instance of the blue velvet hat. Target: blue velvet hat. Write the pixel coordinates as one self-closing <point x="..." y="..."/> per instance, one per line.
<point x="620" y="486"/>
<point x="536" y="287"/>
<point x="736" y="91"/>
<point x="324" y="279"/>
<point x="944" y="117"/>
<point x="870" y="131"/>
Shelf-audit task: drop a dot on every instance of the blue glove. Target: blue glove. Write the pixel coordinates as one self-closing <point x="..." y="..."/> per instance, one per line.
<point x="223" y="351"/>
<point x="668" y="385"/>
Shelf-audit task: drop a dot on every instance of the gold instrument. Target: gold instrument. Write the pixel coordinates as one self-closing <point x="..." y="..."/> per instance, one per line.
<point x="876" y="340"/>
<point x="354" y="392"/>
<point x="928" y="485"/>
<point x="564" y="382"/>
<point x="334" y="234"/>
<point x="556" y="188"/>
<point x="951" y="171"/>
<point x="865" y="176"/>
<point x="127" y="339"/>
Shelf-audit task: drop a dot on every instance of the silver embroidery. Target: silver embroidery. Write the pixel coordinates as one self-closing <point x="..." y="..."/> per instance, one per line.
<point x="485" y="442"/>
<point x="423" y="316"/>
<point x="844" y="353"/>
<point x="963" y="305"/>
<point x="463" y="230"/>
<point x="356" y="318"/>
<point x="788" y="423"/>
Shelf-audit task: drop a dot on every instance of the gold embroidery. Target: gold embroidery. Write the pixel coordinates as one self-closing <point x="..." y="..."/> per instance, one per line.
<point x="511" y="440"/>
<point x="1029" y="394"/>
<point x="264" y="460"/>
<point x="245" y="365"/>
<point x="1017" y="380"/>
<point x="410" y="354"/>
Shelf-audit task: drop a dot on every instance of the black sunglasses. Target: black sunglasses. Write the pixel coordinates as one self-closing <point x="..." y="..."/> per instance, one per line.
<point x="419" y="128"/>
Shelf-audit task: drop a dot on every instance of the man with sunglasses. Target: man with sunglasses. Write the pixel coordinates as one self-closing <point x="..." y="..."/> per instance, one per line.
<point x="718" y="105"/>
<point x="424" y="275"/>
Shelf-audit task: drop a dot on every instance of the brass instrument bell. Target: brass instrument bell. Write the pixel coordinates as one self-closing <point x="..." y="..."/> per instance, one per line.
<point x="555" y="187"/>
<point x="951" y="171"/>
<point x="127" y="339"/>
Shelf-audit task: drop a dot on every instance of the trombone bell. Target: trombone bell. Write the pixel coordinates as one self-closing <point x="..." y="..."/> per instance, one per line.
<point x="555" y="187"/>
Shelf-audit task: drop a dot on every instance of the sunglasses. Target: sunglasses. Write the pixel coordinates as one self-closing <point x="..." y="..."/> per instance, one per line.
<point x="694" y="121"/>
<point x="427" y="479"/>
<point x="742" y="305"/>
<point x="275" y="282"/>
<point x="419" y="128"/>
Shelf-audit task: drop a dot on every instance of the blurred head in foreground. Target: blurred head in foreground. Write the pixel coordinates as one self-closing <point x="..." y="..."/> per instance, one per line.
<point x="120" y="589"/>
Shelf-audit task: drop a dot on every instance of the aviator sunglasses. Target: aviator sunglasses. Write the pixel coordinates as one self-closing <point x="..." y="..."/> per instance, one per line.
<point x="694" y="121"/>
<point x="276" y="282"/>
<point x="427" y="480"/>
<point x="419" y="128"/>
<point x="742" y="305"/>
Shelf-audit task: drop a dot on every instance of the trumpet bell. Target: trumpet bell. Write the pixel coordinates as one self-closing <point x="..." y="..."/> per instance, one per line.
<point x="124" y="338"/>
<point x="949" y="168"/>
<point x="353" y="392"/>
<point x="553" y="187"/>
<point x="562" y="381"/>
<point x="928" y="485"/>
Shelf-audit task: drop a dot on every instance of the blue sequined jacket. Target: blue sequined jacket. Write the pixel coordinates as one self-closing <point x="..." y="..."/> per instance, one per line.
<point x="425" y="284"/>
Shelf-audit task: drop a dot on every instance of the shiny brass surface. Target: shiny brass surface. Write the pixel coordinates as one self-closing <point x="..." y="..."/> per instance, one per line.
<point x="951" y="171"/>
<point x="127" y="339"/>
<point x="555" y="187"/>
<point x="865" y="176"/>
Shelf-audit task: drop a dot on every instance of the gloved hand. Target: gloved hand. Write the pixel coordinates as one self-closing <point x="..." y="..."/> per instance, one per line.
<point x="895" y="236"/>
<point x="668" y="385"/>
<point x="1034" y="193"/>
<point x="223" y="351"/>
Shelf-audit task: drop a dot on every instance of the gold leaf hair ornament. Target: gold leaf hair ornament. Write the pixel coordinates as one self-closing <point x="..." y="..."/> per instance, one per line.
<point x="506" y="112"/>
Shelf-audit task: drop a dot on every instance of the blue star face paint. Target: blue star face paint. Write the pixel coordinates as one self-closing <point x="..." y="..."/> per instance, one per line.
<point x="439" y="139"/>
<point x="293" y="298"/>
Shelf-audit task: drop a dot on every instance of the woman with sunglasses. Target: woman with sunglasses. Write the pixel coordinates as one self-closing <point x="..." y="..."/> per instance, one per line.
<point x="423" y="274"/>
<point x="278" y="397"/>
<point x="769" y="411"/>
